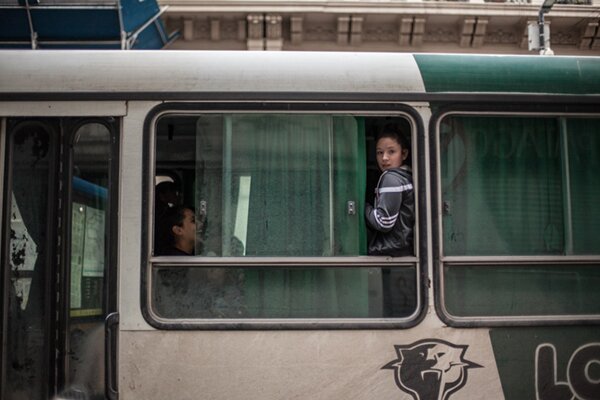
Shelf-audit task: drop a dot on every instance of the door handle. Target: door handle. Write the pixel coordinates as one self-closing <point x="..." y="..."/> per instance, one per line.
<point x="111" y="323"/>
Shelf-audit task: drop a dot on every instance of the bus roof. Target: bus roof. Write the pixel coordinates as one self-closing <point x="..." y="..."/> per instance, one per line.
<point x="114" y="73"/>
<point x="525" y="74"/>
<point x="206" y="71"/>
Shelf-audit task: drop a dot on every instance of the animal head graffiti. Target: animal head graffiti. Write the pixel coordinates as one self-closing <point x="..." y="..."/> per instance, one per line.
<point x="430" y="369"/>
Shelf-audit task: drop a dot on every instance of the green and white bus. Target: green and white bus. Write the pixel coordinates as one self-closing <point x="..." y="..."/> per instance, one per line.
<point x="275" y="153"/>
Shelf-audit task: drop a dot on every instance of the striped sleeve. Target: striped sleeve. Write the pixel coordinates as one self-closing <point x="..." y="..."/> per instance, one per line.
<point x="384" y="214"/>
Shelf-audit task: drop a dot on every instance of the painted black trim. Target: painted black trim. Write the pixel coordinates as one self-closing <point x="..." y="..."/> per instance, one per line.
<point x="4" y="251"/>
<point x="439" y="110"/>
<point x="317" y="97"/>
<point x="269" y="107"/>
<point x="50" y="342"/>
<point x="111" y="372"/>
<point x="111" y="365"/>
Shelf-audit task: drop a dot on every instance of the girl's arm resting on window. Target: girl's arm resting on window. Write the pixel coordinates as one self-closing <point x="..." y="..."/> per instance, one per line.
<point x="383" y="217"/>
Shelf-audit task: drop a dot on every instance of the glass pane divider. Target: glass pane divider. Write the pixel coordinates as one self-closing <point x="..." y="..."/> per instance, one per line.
<point x="326" y="262"/>
<point x="227" y="190"/>
<point x="332" y="243"/>
<point x="519" y="260"/>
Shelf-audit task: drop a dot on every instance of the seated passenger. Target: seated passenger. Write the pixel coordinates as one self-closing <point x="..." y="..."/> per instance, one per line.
<point x="392" y="216"/>
<point x="176" y="232"/>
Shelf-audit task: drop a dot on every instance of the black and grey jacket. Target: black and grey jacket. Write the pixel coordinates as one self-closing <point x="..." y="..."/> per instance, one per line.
<point x="393" y="217"/>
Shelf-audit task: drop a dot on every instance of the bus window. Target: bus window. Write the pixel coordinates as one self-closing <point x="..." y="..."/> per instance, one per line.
<point x="88" y="234"/>
<point x="276" y="187"/>
<point x="517" y="203"/>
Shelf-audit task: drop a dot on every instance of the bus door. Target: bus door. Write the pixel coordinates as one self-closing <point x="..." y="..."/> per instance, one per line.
<point x="58" y="257"/>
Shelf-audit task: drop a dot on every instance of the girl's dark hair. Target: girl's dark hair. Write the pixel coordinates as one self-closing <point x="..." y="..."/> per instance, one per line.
<point x="393" y="132"/>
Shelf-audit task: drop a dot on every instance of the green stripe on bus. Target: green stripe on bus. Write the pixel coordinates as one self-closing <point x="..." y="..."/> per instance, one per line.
<point x="524" y="74"/>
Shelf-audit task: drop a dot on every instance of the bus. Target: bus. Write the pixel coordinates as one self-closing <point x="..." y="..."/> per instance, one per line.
<point x="274" y="153"/>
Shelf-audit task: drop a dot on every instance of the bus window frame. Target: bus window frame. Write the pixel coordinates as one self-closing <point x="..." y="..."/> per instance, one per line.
<point x="72" y="126"/>
<point x="149" y="262"/>
<point x="525" y="109"/>
<point x="109" y="303"/>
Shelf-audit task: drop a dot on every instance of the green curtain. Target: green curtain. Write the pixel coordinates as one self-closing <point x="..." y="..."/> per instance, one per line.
<point x="287" y="159"/>
<point x="501" y="186"/>
<point x="283" y="183"/>
<point x="349" y="184"/>
<point x="584" y="164"/>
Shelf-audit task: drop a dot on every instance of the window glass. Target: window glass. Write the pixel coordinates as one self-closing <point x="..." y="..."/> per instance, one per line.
<point x="522" y="290"/>
<point x="584" y="191"/>
<point x="521" y="186"/>
<point x="502" y="186"/>
<point x="267" y="292"/>
<point x="89" y="222"/>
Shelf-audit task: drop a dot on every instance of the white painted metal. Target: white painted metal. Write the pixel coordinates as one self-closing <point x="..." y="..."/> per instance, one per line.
<point x="130" y="216"/>
<point x="63" y="109"/>
<point x="184" y="71"/>
<point x="287" y="364"/>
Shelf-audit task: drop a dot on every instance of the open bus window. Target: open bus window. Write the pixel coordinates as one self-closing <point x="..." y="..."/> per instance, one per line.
<point x="517" y="187"/>
<point x="277" y="186"/>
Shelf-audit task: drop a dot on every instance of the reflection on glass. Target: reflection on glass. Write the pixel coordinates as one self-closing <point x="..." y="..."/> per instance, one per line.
<point x="89" y="209"/>
<point x="240" y="231"/>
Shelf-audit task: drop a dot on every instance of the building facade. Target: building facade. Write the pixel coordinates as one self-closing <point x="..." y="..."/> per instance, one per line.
<point x="472" y="26"/>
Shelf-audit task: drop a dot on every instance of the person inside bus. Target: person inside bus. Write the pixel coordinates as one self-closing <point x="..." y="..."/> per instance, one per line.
<point x="176" y="232"/>
<point x="391" y="217"/>
<point x="166" y="196"/>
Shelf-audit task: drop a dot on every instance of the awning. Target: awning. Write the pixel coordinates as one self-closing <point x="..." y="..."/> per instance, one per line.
<point x="82" y="24"/>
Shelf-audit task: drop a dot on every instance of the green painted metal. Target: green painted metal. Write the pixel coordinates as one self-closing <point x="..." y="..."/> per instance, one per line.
<point x="512" y="74"/>
<point x="517" y="354"/>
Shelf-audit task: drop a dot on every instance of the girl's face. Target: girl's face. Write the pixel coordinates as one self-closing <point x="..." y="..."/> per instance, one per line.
<point x="390" y="153"/>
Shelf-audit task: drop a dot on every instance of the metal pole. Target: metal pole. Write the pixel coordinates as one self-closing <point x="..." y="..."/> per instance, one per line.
<point x="541" y="29"/>
<point x="544" y="9"/>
